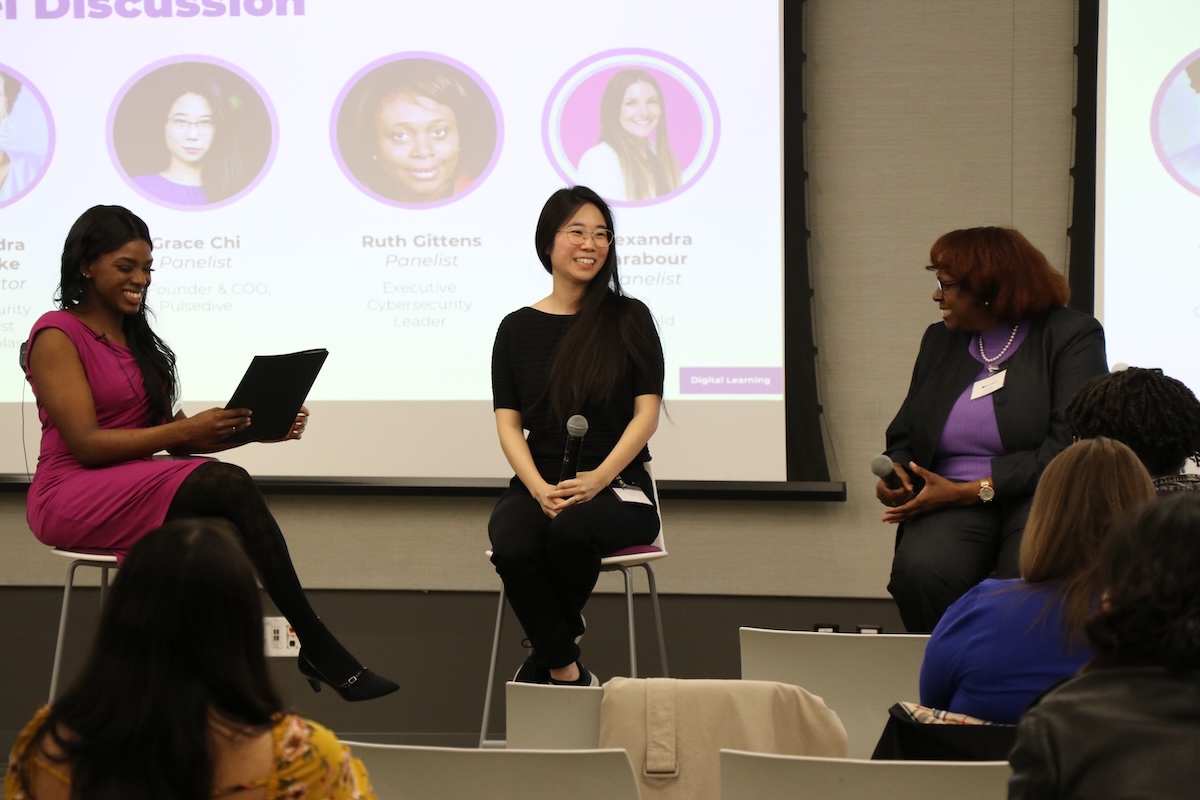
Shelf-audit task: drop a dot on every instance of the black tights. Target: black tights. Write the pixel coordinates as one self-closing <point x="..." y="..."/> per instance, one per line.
<point x="227" y="491"/>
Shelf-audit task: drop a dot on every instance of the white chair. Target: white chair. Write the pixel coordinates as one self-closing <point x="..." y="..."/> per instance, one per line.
<point x="759" y="776"/>
<point x="623" y="561"/>
<point x="858" y="675"/>
<point x="457" y="773"/>
<point x="539" y="717"/>
<point x="101" y="559"/>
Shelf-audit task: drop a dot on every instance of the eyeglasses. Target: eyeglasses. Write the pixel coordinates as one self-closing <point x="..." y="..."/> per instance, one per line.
<point x="602" y="237"/>
<point x="183" y="124"/>
<point x="944" y="285"/>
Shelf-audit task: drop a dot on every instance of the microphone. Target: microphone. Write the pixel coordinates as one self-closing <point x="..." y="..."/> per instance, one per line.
<point x="577" y="427"/>
<point x="883" y="469"/>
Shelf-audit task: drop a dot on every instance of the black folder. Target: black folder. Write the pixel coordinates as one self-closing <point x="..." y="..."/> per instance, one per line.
<point x="274" y="388"/>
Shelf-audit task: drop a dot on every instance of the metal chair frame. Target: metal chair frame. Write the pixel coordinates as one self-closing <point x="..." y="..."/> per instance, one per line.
<point x="101" y="559"/>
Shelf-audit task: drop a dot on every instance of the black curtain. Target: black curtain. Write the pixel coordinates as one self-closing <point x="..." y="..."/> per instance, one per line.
<point x="806" y="459"/>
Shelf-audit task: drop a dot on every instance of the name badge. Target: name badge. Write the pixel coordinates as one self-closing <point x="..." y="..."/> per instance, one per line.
<point x="631" y="494"/>
<point x="986" y="386"/>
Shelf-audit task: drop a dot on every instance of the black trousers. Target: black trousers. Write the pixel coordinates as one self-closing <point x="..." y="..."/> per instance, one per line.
<point x="550" y="566"/>
<point x="939" y="556"/>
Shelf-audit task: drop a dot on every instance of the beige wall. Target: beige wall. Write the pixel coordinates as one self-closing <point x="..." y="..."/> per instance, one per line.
<point x="924" y="116"/>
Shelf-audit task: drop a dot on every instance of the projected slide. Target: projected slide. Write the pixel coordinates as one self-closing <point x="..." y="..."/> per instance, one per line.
<point x="1148" y="214"/>
<point x="366" y="177"/>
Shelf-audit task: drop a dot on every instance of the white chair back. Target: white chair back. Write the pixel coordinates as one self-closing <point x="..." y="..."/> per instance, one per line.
<point x="539" y="717"/>
<point x="660" y="541"/>
<point x="458" y="773"/>
<point x="759" y="776"/>
<point x="859" y="676"/>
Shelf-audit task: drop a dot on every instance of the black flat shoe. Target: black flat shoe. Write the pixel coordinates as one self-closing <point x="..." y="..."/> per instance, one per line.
<point x="362" y="685"/>
<point x="585" y="679"/>
<point x="530" y="672"/>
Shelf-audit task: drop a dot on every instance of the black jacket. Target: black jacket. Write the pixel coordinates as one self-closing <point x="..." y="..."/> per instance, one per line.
<point x="1114" y="733"/>
<point x="1063" y="350"/>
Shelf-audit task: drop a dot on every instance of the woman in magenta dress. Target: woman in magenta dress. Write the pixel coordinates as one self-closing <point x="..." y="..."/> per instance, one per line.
<point x="106" y="385"/>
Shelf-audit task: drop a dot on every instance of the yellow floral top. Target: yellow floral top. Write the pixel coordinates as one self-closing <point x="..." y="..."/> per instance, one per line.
<point x="309" y="763"/>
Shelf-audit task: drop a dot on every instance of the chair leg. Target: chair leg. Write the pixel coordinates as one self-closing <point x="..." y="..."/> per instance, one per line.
<point x="62" y="629"/>
<point x="658" y="623"/>
<point x="103" y="585"/>
<point x="626" y="574"/>
<point x="491" y="680"/>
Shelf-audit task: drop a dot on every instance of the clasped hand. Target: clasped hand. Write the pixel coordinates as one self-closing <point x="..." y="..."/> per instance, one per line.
<point x="571" y="492"/>
<point x="905" y="504"/>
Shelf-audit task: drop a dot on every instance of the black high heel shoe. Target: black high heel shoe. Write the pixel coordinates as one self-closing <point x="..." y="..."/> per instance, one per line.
<point x="362" y="685"/>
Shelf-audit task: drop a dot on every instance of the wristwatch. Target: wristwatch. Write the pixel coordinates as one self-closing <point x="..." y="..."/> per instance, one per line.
<point x="986" y="492"/>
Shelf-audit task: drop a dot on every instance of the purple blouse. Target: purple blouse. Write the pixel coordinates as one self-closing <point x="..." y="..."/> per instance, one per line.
<point x="971" y="437"/>
<point x="171" y="192"/>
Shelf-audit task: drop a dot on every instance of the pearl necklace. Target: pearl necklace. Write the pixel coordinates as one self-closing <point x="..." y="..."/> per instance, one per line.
<point x="991" y="362"/>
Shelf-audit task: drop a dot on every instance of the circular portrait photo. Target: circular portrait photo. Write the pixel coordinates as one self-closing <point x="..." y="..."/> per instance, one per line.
<point x="636" y="126"/>
<point x="416" y="130"/>
<point x="192" y="134"/>
<point x="1176" y="122"/>
<point x="26" y="136"/>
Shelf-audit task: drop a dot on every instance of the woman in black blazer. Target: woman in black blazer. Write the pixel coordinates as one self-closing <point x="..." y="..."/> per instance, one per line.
<point x="983" y="416"/>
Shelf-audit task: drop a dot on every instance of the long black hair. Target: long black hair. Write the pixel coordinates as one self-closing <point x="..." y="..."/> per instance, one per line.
<point x="98" y="231"/>
<point x="609" y="327"/>
<point x="179" y="638"/>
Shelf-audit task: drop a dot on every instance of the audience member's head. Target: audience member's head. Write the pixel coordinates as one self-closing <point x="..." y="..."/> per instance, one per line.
<point x="1155" y="415"/>
<point x="1082" y="492"/>
<point x="179" y="641"/>
<point x="1149" y="567"/>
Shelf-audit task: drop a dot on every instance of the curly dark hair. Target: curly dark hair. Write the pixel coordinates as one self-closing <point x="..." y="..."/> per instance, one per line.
<point x="1155" y="415"/>
<point x="1148" y="567"/>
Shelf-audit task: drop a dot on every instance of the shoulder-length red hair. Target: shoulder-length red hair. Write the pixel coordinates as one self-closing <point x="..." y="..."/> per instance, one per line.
<point x="1000" y="267"/>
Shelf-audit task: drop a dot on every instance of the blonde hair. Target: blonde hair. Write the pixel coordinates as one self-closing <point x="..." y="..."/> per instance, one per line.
<point x="1081" y="493"/>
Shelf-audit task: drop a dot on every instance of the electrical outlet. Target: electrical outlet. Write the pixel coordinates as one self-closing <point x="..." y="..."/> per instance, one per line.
<point x="279" y="638"/>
